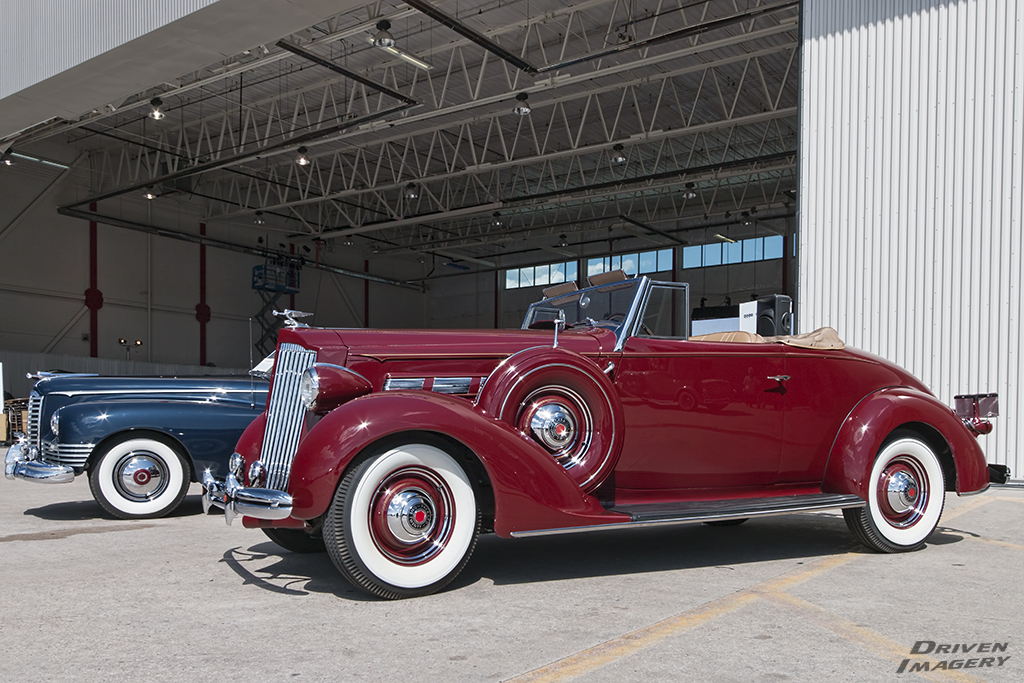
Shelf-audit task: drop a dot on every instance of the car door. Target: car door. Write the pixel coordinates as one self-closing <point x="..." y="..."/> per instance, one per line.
<point x="700" y="415"/>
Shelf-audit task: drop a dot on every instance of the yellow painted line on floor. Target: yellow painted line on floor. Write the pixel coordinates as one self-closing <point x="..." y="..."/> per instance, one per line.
<point x="613" y="650"/>
<point x="992" y="541"/>
<point x="859" y="635"/>
<point x="972" y="504"/>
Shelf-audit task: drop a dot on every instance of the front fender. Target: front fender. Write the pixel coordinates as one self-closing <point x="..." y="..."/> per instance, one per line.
<point x="868" y="425"/>
<point x="207" y="432"/>
<point x="531" y="491"/>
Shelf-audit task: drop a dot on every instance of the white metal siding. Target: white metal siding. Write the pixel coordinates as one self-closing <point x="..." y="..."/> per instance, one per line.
<point x="911" y="160"/>
<point x="45" y="37"/>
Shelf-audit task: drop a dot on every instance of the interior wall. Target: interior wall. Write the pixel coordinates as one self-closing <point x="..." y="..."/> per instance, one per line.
<point x="911" y="165"/>
<point x="150" y="283"/>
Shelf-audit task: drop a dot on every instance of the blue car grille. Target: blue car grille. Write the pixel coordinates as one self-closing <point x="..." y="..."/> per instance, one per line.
<point x="35" y="406"/>
<point x="285" y="414"/>
<point x="72" y="455"/>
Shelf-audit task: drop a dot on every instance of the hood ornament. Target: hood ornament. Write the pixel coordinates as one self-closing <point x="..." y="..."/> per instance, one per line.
<point x="290" y="317"/>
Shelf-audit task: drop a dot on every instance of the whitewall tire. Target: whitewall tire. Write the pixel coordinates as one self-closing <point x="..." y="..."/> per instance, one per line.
<point x="139" y="477"/>
<point x="906" y="494"/>
<point x="403" y="522"/>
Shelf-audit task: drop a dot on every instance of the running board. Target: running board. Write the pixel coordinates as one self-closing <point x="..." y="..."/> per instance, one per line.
<point x="693" y="512"/>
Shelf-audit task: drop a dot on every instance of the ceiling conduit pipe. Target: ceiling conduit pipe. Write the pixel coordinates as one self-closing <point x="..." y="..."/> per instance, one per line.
<point x="229" y="246"/>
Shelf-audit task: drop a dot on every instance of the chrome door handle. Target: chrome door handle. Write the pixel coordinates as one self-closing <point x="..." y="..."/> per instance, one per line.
<point x="779" y="378"/>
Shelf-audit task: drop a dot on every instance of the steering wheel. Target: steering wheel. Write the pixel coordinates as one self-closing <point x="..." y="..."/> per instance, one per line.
<point x="620" y="317"/>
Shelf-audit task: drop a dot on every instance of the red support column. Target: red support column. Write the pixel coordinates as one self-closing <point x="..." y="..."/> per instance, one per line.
<point x="202" y="310"/>
<point x="93" y="296"/>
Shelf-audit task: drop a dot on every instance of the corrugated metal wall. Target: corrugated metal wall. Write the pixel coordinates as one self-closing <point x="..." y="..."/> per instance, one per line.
<point x="911" y="165"/>
<point x="45" y="37"/>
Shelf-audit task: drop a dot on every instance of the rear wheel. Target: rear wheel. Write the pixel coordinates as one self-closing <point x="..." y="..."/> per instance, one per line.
<point x="139" y="477"/>
<point x="296" y="540"/>
<point x="403" y="522"/>
<point x="906" y="493"/>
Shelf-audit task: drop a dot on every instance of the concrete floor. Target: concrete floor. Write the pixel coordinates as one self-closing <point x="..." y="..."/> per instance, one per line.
<point x="86" y="597"/>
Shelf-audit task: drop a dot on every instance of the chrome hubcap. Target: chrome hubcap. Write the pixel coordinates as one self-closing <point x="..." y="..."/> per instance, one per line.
<point x="140" y="476"/>
<point x="902" y="491"/>
<point x="554" y="426"/>
<point x="411" y="516"/>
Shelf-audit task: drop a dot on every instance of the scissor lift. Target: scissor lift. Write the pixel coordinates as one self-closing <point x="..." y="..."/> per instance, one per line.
<point x="272" y="280"/>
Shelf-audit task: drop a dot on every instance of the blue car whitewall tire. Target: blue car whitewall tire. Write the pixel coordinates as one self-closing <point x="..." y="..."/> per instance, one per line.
<point x="139" y="476"/>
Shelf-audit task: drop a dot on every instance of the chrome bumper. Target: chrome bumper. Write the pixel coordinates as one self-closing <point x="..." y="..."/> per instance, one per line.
<point x="236" y="499"/>
<point x="21" y="463"/>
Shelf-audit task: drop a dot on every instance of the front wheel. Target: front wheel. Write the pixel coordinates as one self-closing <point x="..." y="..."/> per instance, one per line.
<point x="403" y="522"/>
<point x="906" y="493"/>
<point x="139" y="477"/>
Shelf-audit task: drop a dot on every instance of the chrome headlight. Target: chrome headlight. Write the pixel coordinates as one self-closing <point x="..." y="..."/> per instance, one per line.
<point x="236" y="465"/>
<point x="257" y="474"/>
<point x="309" y="388"/>
<point x="55" y="422"/>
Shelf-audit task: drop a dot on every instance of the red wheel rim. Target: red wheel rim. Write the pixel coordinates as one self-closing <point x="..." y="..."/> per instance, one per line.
<point x="411" y="516"/>
<point x="902" y="492"/>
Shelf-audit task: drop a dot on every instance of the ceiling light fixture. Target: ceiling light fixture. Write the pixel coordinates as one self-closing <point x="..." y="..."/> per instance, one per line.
<point x="6" y="159"/>
<point x="347" y="242"/>
<point x="149" y="194"/>
<point x="157" y="113"/>
<point x="523" y="106"/>
<point x="691" y="192"/>
<point x="258" y="220"/>
<point x="725" y="239"/>
<point x="384" y="38"/>
<point x="302" y="159"/>
<point x="411" y="192"/>
<point x="496" y="221"/>
<point x="562" y="241"/>
<point x="747" y="220"/>
<point x="618" y="158"/>
<point x="403" y="55"/>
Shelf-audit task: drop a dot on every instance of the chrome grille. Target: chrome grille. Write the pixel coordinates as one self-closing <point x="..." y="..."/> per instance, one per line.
<point x="71" y="455"/>
<point x="35" y="406"/>
<point x="285" y="414"/>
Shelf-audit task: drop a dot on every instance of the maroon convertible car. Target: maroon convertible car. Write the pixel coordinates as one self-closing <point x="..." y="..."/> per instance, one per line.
<point x="396" y="448"/>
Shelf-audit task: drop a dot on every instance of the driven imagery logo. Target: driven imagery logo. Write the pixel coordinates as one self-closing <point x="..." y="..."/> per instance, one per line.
<point x="955" y="656"/>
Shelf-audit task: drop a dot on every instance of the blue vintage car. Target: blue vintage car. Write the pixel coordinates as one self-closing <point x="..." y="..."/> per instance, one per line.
<point x="141" y="440"/>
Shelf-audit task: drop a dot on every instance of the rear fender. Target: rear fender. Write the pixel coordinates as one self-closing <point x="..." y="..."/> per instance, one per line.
<point x="877" y="416"/>
<point x="531" y="491"/>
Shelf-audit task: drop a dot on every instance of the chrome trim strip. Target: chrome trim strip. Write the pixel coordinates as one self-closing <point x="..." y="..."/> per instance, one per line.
<point x="285" y="414"/>
<point x="75" y="455"/>
<point x="452" y="385"/>
<point x="692" y="520"/>
<point x="1012" y="484"/>
<point x="404" y="383"/>
<point x="132" y="392"/>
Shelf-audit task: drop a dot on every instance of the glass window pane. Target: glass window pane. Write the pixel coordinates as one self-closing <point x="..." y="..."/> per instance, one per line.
<point x="541" y="275"/>
<point x="512" y="279"/>
<point x="649" y="262"/>
<point x="557" y="273"/>
<point x="748" y="249"/>
<point x="595" y="266"/>
<point x="693" y="257"/>
<point x="629" y="264"/>
<point x="713" y="254"/>
<point x="526" y="277"/>
<point x="732" y="252"/>
<point x="664" y="260"/>
<point x="773" y="247"/>
<point x="571" y="274"/>
<point x="616" y="263"/>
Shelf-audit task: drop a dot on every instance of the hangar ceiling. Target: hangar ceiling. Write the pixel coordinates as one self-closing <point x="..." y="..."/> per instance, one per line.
<point x="648" y="120"/>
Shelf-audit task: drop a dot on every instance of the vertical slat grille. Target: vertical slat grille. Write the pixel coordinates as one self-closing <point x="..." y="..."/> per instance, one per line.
<point x="285" y="414"/>
<point x="35" y="405"/>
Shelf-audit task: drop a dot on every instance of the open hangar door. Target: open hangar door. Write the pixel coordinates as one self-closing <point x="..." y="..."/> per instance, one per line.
<point x="430" y="165"/>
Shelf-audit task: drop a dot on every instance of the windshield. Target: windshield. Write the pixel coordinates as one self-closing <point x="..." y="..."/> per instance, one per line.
<point x="605" y="306"/>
